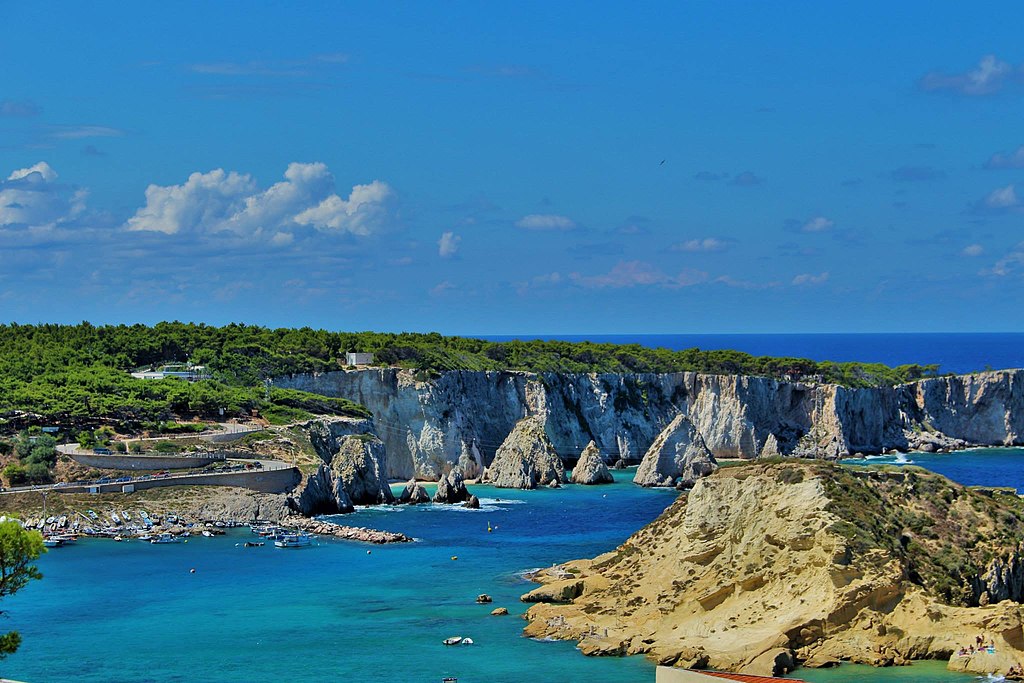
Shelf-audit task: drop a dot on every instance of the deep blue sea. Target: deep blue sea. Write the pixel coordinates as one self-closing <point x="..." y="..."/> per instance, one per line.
<point x="953" y="352"/>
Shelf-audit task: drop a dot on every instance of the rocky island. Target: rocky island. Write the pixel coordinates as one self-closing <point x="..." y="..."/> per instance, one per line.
<point x="767" y="566"/>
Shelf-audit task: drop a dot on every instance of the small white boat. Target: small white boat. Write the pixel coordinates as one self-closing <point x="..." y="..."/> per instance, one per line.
<point x="293" y="541"/>
<point x="173" y="519"/>
<point x="454" y="640"/>
<point x="166" y="538"/>
<point x="92" y="514"/>
<point x="467" y="641"/>
<point x="51" y="542"/>
<point x="115" y="518"/>
<point x="124" y="513"/>
<point x="146" y="537"/>
<point x="118" y="538"/>
<point x="208" y="534"/>
<point x="62" y="522"/>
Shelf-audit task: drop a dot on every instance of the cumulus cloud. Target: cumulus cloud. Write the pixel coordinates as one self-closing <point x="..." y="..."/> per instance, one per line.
<point x="221" y="201"/>
<point x="973" y="250"/>
<point x="1009" y="264"/>
<point x="1001" y="160"/>
<point x="545" y="221"/>
<point x="448" y="245"/>
<point x="810" y="279"/>
<point x="639" y="274"/>
<point x="706" y="244"/>
<point x="989" y="77"/>
<point x="32" y="198"/>
<point x="817" y="224"/>
<point x="999" y="200"/>
<point x="19" y="108"/>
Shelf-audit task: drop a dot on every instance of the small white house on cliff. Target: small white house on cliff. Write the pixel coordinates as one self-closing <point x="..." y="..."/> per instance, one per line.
<point x="358" y="358"/>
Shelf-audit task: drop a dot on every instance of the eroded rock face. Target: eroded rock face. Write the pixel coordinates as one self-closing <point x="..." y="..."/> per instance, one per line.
<point x="354" y="471"/>
<point x="451" y="488"/>
<point x="526" y="459"/>
<point x="414" y="494"/>
<point x="768" y="565"/>
<point x="460" y="417"/>
<point x="590" y="468"/>
<point x="677" y="457"/>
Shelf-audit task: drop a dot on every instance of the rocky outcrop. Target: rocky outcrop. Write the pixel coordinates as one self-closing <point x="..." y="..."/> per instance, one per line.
<point x="526" y="459"/>
<point x="767" y="565"/>
<point x="353" y="471"/>
<point x="677" y="457"/>
<point x="460" y="418"/>
<point x="590" y="468"/>
<point x="451" y="488"/>
<point x="414" y="494"/>
<point x="350" y="533"/>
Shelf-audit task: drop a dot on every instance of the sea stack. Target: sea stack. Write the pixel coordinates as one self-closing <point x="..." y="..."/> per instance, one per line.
<point x="451" y="488"/>
<point x="590" y="468"/>
<point x="677" y="457"/>
<point x="526" y="459"/>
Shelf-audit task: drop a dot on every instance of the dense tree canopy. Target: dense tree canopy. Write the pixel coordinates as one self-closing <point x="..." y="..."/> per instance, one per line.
<point x="81" y="371"/>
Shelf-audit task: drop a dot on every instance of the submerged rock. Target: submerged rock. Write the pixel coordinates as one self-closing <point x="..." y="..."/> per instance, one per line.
<point x="451" y="488"/>
<point x="677" y="456"/>
<point x="414" y="493"/>
<point x="526" y="459"/>
<point x="590" y="468"/>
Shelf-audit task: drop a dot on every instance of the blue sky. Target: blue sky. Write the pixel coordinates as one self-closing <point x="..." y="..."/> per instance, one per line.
<point x="532" y="168"/>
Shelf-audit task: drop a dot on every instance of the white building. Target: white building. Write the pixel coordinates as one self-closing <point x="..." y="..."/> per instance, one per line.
<point x="191" y="373"/>
<point x="358" y="358"/>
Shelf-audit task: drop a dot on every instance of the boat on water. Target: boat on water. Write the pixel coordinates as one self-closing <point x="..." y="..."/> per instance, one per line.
<point x="208" y="534"/>
<point x="293" y="541"/>
<point x="253" y="544"/>
<point x="454" y="640"/>
<point x="467" y="641"/>
<point x="51" y="542"/>
<point x="165" y="538"/>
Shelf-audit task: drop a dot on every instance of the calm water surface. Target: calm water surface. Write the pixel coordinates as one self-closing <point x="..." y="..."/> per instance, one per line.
<point x="133" y="611"/>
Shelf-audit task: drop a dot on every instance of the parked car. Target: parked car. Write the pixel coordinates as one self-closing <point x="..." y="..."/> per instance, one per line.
<point x="102" y="451"/>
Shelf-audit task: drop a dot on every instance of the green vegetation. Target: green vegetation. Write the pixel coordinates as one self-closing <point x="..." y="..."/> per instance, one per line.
<point x="19" y="548"/>
<point x="36" y="454"/>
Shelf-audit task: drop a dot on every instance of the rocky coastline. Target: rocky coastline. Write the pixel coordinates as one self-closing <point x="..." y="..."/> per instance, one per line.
<point x="462" y="418"/>
<point x="765" y="567"/>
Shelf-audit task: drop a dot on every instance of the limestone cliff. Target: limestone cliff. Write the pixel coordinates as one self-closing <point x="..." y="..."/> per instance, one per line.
<point x="526" y="459"/>
<point x="591" y="468"/>
<point x="459" y="418"/>
<point x="766" y="565"/>
<point x="678" y="455"/>
<point x="353" y="471"/>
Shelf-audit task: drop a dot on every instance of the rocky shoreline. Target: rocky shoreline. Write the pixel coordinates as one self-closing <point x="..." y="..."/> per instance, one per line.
<point x="348" y="533"/>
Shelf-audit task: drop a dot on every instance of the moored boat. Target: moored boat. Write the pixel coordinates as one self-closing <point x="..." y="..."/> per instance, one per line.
<point x="166" y="538"/>
<point x="293" y="541"/>
<point x="454" y="640"/>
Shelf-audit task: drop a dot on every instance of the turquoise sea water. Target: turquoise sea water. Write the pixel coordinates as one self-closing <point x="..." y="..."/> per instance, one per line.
<point x="134" y="612"/>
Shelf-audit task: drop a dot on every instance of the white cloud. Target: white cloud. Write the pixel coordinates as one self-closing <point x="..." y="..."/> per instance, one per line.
<point x="448" y="245"/>
<point x="19" y="109"/>
<point x="988" y="77"/>
<point x="973" y="250"/>
<point x="706" y="244"/>
<point x="1009" y="264"/>
<point x="810" y="279"/>
<point x="441" y="288"/>
<point x="282" y="239"/>
<point x="220" y="201"/>
<point x="1001" y="160"/>
<point x="817" y="224"/>
<point x="1001" y="199"/>
<point x="639" y="273"/>
<point x="32" y="198"/>
<point x="80" y="132"/>
<point x="545" y="221"/>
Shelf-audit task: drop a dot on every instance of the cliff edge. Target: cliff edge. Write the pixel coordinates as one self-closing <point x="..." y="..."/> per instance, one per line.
<point x="766" y="566"/>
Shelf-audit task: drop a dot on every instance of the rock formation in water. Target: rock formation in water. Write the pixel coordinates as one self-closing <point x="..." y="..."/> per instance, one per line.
<point x="451" y="488"/>
<point x="526" y="459"/>
<point x="353" y="471"/>
<point x="677" y="457"/>
<point x="414" y="494"/>
<point x="431" y="426"/>
<point x="766" y="565"/>
<point x="590" y="468"/>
